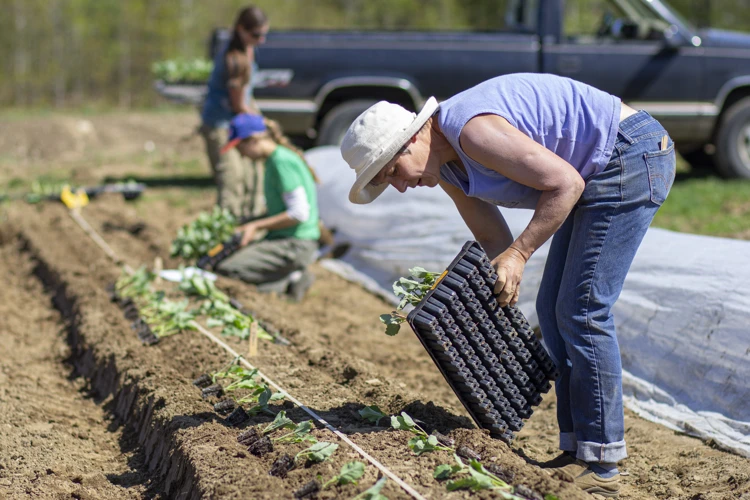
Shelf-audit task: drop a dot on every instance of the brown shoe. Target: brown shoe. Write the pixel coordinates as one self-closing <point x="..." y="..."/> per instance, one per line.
<point x="560" y="460"/>
<point x="593" y="483"/>
<point x="571" y="471"/>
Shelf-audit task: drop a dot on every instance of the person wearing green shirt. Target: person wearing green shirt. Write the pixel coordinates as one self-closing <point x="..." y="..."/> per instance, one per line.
<point x="277" y="262"/>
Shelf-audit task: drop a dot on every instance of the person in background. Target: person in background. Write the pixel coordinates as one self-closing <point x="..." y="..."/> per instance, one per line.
<point x="230" y="92"/>
<point x="594" y="170"/>
<point x="277" y="262"/>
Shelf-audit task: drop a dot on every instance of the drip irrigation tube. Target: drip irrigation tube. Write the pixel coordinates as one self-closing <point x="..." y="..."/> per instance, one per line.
<point x="96" y="238"/>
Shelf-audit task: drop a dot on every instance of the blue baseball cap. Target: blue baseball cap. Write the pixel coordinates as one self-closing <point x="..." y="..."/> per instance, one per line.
<point x="241" y="127"/>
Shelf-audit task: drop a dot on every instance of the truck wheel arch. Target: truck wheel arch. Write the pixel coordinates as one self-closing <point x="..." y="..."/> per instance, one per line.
<point x="732" y="136"/>
<point x="340" y="101"/>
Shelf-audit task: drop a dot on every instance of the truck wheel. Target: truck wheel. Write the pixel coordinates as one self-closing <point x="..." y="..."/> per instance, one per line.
<point x="733" y="141"/>
<point x="336" y="122"/>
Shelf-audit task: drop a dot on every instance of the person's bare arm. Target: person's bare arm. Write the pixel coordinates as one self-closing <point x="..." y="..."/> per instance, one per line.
<point x="483" y="219"/>
<point x="237" y="97"/>
<point x="278" y="221"/>
<point x="492" y="141"/>
<point x="238" y="80"/>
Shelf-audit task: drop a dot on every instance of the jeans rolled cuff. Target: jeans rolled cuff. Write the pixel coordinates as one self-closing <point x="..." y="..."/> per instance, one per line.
<point x="589" y="451"/>
<point x="568" y="441"/>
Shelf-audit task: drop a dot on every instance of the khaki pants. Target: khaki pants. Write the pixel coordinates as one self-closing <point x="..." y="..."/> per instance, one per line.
<point x="239" y="181"/>
<point x="268" y="263"/>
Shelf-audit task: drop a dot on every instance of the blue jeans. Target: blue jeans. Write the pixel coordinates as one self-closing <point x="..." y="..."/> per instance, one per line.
<point x="589" y="257"/>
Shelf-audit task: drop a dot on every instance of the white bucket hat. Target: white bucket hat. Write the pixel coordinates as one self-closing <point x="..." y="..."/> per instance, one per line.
<point x="374" y="139"/>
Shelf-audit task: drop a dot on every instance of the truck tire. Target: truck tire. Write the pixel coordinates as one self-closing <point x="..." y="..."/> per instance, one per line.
<point x="336" y="122"/>
<point x="733" y="141"/>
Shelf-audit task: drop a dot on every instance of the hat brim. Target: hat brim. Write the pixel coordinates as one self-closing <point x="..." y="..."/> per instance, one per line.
<point x="362" y="191"/>
<point x="231" y="144"/>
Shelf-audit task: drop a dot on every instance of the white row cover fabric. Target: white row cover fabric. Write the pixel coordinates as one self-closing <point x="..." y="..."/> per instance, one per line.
<point x="683" y="318"/>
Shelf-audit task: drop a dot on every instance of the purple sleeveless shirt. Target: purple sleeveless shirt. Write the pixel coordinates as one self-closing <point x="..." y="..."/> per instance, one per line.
<point x="573" y="120"/>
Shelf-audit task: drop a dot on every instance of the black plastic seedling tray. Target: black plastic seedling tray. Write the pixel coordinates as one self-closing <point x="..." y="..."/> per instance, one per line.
<point x="488" y="355"/>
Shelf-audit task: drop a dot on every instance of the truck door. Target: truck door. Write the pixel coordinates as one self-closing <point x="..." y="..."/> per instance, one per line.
<point x="626" y="48"/>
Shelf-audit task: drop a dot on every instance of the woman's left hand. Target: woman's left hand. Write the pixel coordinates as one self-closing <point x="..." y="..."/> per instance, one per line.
<point x="248" y="233"/>
<point x="509" y="266"/>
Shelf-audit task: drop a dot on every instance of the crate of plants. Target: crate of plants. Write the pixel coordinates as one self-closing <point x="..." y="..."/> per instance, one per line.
<point x="488" y="354"/>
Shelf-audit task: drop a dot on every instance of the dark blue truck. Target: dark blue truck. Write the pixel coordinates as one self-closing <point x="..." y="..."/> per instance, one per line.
<point x="696" y="82"/>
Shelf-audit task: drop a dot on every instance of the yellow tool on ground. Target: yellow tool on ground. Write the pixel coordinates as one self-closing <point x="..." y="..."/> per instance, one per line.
<point x="72" y="200"/>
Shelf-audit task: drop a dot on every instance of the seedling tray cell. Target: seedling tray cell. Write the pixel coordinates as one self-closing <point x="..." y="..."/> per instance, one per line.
<point x="488" y="354"/>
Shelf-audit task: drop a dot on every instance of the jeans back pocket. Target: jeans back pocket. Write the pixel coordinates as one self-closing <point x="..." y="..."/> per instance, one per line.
<point x="661" y="170"/>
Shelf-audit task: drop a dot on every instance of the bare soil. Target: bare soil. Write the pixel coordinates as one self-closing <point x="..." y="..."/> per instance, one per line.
<point x="77" y="369"/>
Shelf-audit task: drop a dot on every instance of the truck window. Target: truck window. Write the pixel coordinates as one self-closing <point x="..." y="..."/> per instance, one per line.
<point x="460" y="15"/>
<point x="611" y="19"/>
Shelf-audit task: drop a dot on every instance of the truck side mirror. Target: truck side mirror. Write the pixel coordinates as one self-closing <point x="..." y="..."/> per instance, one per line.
<point x="673" y="39"/>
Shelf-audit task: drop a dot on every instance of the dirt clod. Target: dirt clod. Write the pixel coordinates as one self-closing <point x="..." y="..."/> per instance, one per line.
<point x="528" y="493"/>
<point x="444" y="440"/>
<point x="203" y="381"/>
<point x="261" y="446"/>
<point x="501" y="473"/>
<point x="249" y="436"/>
<point x="467" y="453"/>
<point x="225" y="406"/>
<point x="212" y="391"/>
<point x="238" y="417"/>
<point x="310" y="490"/>
<point x="282" y="465"/>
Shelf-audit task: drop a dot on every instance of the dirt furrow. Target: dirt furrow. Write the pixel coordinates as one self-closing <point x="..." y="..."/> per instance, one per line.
<point x="56" y="438"/>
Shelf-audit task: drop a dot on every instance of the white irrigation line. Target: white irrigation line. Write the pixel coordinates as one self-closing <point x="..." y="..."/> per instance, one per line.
<point x="76" y="216"/>
<point x="314" y="415"/>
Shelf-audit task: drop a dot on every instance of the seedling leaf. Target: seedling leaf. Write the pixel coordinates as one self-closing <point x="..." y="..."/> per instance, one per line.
<point x="445" y="471"/>
<point x="373" y="493"/>
<point x="372" y="414"/>
<point x="300" y="433"/>
<point x="318" y="452"/>
<point x="280" y="422"/>
<point x="350" y="474"/>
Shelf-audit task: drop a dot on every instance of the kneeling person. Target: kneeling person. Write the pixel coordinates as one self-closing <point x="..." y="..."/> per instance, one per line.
<point x="278" y="262"/>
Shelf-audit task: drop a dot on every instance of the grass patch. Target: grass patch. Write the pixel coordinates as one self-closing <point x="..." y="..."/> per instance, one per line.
<point x="710" y="206"/>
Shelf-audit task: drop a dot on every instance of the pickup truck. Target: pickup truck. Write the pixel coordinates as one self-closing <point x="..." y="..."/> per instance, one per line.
<point x="695" y="81"/>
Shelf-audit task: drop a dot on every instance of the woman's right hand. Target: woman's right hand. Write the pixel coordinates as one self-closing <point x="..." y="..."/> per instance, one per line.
<point x="509" y="266"/>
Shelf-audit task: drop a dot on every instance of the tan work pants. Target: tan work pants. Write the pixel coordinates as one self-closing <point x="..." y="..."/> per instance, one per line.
<point x="239" y="180"/>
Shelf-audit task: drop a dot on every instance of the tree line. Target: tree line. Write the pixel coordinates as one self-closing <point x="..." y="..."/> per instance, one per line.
<point x="72" y="53"/>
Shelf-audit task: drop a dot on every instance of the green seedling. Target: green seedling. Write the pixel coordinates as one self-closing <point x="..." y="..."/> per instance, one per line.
<point x="182" y="70"/>
<point x="373" y="493"/>
<point x="210" y="229"/>
<point x="319" y="452"/>
<point x="301" y="433"/>
<point x="168" y="317"/>
<point x="280" y="422"/>
<point x="234" y="371"/>
<point x="242" y="379"/>
<point x="421" y="442"/>
<point x="202" y="287"/>
<point x="42" y="189"/>
<point x="233" y="322"/>
<point x="372" y="414"/>
<point x="478" y="478"/>
<point x="135" y="285"/>
<point x="410" y="290"/>
<point x="164" y="317"/>
<point x="261" y="397"/>
<point x="350" y="473"/>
